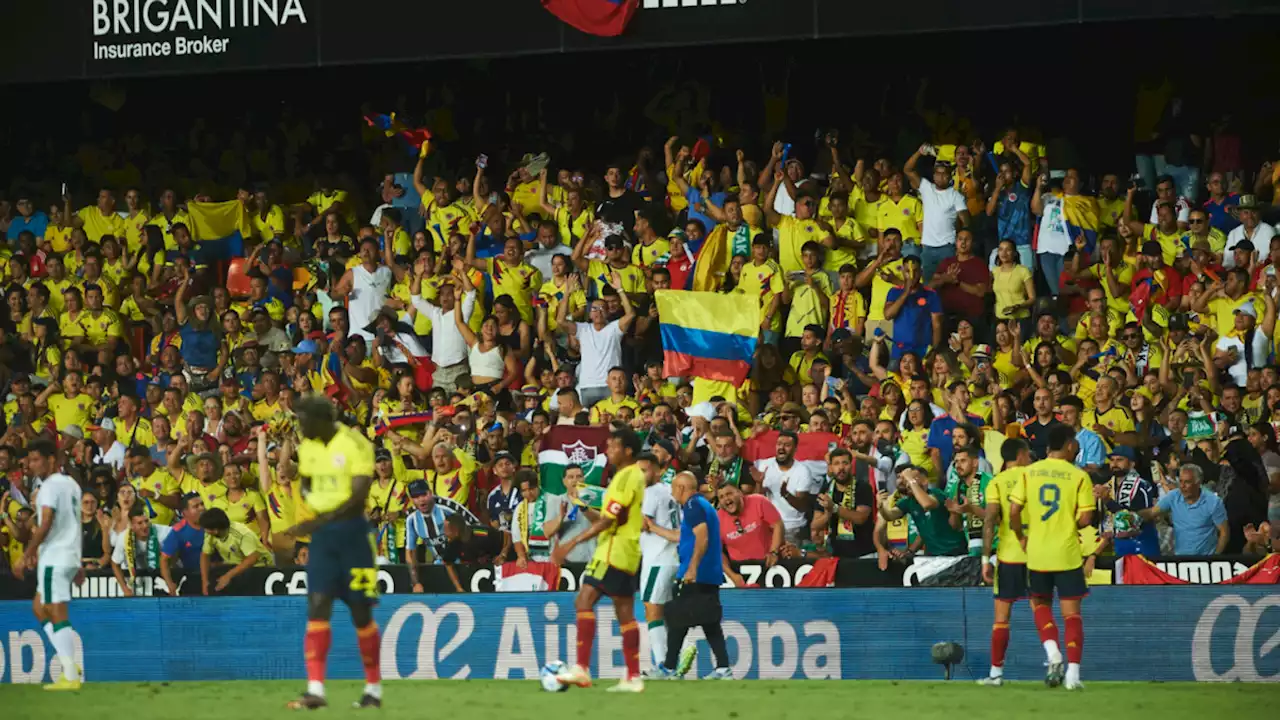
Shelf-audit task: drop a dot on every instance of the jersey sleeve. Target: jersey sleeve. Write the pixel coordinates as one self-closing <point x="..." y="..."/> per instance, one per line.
<point x="617" y="498"/>
<point x="695" y="514"/>
<point x="249" y="544"/>
<point x="208" y="548"/>
<point x="168" y="547"/>
<point x="169" y="485"/>
<point x="649" y="506"/>
<point x="1084" y="494"/>
<point x="1018" y="491"/>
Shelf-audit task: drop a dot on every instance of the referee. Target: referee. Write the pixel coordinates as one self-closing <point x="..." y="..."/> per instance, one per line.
<point x="697" y="600"/>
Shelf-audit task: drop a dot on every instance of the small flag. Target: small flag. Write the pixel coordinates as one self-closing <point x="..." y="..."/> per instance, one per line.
<point x="606" y="18"/>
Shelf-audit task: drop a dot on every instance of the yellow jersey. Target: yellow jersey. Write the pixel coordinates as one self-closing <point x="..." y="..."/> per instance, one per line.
<point x="1117" y="420"/>
<point x="553" y="295"/>
<point x="519" y="283"/>
<point x="887" y="277"/>
<point x="332" y="466"/>
<point x="96" y="224"/>
<point x="905" y="216"/>
<point x="999" y="490"/>
<point x="611" y="408"/>
<point x="792" y="236"/>
<point x="279" y="506"/>
<point x="763" y="281"/>
<point x="808" y="305"/>
<point x="161" y="483"/>
<point x="244" y="510"/>
<point x="837" y="257"/>
<point x="618" y="545"/>
<point x="572" y="228"/>
<point x="649" y="255"/>
<point x="67" y="411"/>
<point x="1053" y="494"/>
<point x="269" y="227"/>
<point x="240" y="543"/>
<point x="601" y="274"/>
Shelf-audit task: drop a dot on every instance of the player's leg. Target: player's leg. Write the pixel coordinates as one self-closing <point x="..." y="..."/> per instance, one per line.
<point x="360" y="597"/>
<point x="50" y="607"/>
<point x="655" y="591"/>
<point x="1072" y="589"/>
<point x="1042" y="586"/>
<point x="585" y="606"/>
<point x="323" y="584"/>
<point x="999" y="641"/>
<point x="624" y="606"/>
<point x="709" y="598"/>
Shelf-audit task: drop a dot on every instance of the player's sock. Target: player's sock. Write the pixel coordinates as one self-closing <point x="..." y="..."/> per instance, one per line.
<point x="370" y="646"/>
<point x="586" y="636"/>
<point x="631" y="648"/>
<point x="1048" y="632"/>
<point x="1074" y="635"/>
<point x="658" y="641"/>
<point x="315" y="649"/>
<point x="999" y="646"/>
<point x="1073" y="673"/>
<point x="64" y="644"/>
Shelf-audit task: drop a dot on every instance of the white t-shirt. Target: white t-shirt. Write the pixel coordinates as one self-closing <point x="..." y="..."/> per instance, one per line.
<point x="940" y="210"/>
<point x="114" y="456"/>
<point x="61" y="546"/>
<point x="1054" y="236"/>
<point x="447" y="345"/>
<point x="368" y="293"/>
<point x="798" y="480"/>
<point x="1182" y="205"/>
<point x="1261" y="242"/>
<point x="1239" y="370"/>
<point x="662" y="510"/>
<point x="121" y="558"/>
<point x="601" y="350"/>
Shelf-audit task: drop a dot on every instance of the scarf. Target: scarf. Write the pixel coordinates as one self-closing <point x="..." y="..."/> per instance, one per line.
<point x="131" y="551"/>
<point x="843" y="529"/>
<point x="668" y="475"/>
<point x="730" y="473"/>
<point x="533" y="536"/>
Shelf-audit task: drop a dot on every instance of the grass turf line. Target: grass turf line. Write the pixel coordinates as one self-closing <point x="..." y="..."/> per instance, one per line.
<point x="744" y="700"/>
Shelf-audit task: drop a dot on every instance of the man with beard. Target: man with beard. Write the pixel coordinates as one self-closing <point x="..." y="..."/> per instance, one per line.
<point x="789" y="486"/>
<point x="846" y="509"/>
<point x="967" y="500"/>
<point x="1120" y="498"/>
<point x="726" y="466"/>
<point x="882" y="457"/>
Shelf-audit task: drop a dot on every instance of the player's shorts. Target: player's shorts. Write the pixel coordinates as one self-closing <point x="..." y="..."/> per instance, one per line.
<point x="53" y="583"/>
<point x="1070" y="584"/>
<point x="657" y="583"/>
<point x="340" y="561"/>
<point x="1011" y="581"/>
<point x="610" y="580"/>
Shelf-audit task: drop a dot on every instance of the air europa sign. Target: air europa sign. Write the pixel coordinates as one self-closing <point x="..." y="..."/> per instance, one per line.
<point x="163" y="28"/>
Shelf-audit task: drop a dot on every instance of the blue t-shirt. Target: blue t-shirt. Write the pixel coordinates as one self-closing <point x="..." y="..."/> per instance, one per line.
<point x="1220" y="213"/>
<point x="38" y="224"/>
<point x="1195" y="525"/>
<point x="913" y="328"/>
<point x="1013" y="216"/>
<point x="694" y="196"/>
<point x="186" y="543"/>
<point x="940" y="437"/>
<point x="199" y="347"/>
<point x="697" y="511"/>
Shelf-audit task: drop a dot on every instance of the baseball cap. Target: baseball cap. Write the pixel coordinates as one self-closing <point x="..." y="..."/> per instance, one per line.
<point x="106" y="424"/>
<point x="665" y="444"/>
<point x="1151" y="248"/>
<point x="418" y="488"/>
<point x="841" y="335"/>
<point x="980" y="350"/>
<point x="1124" y="452"/>
<point x="381" y="454"/>
<point x="306" y="347"/>
<point x="1244" y="245"/>
<point x="1247" y="308"/>
<point x="503" y="455"/>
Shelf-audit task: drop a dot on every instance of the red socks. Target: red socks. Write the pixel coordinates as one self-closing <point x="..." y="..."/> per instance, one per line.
<point x="999" y="643"/>
<point x="315" y="648"/>
<point x="586" y="636"/>
<point x="370" y="647"/>
<point x="1075" y="638"/>
<point x="1044" y="623"/>
<point x="631" y="648"/>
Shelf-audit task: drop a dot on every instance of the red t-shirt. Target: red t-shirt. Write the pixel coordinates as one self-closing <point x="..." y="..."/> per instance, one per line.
<point x="681" y="268"/>
<point x="757" y="519"/>
<point x="972" y="271"/>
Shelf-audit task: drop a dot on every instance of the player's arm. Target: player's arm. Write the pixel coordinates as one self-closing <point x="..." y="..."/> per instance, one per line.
<point x="453" y="577"/>
<point x="888" y="509"/>
<point x="125" y="587"/>
<point x="1084" y="502"/>
<point x="250" y="559"/>
<point x="165" y="573"/>
<point x="37" y="536"/>
<point x="668" y="534"/>
<point x="1017" y="499"/>
<point x="734" y="577"/>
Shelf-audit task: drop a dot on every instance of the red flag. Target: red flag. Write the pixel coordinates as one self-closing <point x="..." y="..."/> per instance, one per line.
<point x="534" y="576"/>
<point x="606" y="18"/>
<point x="811" y="450"/>
<point x="822" y="575"/>
<point x="1139" y="571"/>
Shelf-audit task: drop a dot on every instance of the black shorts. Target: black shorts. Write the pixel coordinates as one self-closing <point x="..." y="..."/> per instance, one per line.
<point x="1011" y="581"/>
<point x="610" y="580"/>
<point x="341" y="562"/>
<point x="1070" y="584"/>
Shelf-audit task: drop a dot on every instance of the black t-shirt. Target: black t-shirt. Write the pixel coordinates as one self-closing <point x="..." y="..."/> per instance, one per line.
<point x="485" y="545"/>
<point x="862" y="543"/>
<point x="1038" y="436"/>
<point x="621" y="209"/>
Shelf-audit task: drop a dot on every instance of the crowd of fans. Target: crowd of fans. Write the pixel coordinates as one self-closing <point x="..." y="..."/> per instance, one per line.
<point x="921" y="309"/>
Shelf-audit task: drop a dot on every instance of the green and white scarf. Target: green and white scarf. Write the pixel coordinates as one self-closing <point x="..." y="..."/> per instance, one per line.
<point x="535" y="538"/>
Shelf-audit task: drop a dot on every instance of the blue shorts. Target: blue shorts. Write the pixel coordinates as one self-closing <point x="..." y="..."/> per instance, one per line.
<point x="341" y="562"/>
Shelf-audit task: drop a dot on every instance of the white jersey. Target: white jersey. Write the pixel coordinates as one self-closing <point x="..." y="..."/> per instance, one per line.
<point x="662" y="510"/>
<point x="368" y="293"/>
<point x="61" y="546"/>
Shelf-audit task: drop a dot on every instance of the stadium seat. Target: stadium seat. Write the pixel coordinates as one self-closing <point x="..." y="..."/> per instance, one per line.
<point x="238" y="278"/>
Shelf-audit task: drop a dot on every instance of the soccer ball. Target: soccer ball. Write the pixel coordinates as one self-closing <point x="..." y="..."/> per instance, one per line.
<point x="548" y="679"/>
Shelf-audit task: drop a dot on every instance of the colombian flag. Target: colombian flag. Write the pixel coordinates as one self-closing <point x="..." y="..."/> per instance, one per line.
<point x="221" y="228"/>
<point x="708" y="335"/>
<point x="606" y="18"/>
<point x="1081" y="214"/>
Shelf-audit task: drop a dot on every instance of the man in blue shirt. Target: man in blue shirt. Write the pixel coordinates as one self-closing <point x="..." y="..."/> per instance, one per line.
<point x="1198" y="516"/>
<point x="186" y="542"/>
<point x="701" y="571"/>
<point x="1010" y="203"/>
<point x="916" y="312"/>
<point x="942" y="428"/>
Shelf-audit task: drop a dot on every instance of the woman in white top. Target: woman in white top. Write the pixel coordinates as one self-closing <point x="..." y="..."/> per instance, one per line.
<point x="493" y="365"/>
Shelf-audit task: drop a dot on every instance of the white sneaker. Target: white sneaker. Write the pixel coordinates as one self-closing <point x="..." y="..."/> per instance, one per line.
<point x="720" y="674"/>
<point x="992" y="681"/>
<point x="576" y="675"/>
<point x="1073" y="685"/>
<point x="629" y="685"/>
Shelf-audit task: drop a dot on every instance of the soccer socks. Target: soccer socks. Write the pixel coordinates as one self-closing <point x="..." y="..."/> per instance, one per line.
<point x="61" y="635"/>
<point x="315" y="649"/>
<point x="631" y="649"/>
<point x="999" y="646"/>
<point x="658" y="641"/>
<point x="586" y="637"/>
<point x="1074" y="635"/>
<point x="1048" y="632"/>
<point x="370" y="647"/>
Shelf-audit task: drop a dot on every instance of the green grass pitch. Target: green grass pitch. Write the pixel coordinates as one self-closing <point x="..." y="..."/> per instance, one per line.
<point x="731" y="700"/>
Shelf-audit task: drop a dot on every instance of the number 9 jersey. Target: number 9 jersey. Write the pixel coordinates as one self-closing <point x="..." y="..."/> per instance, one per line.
<point x="1052" y="494"/>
